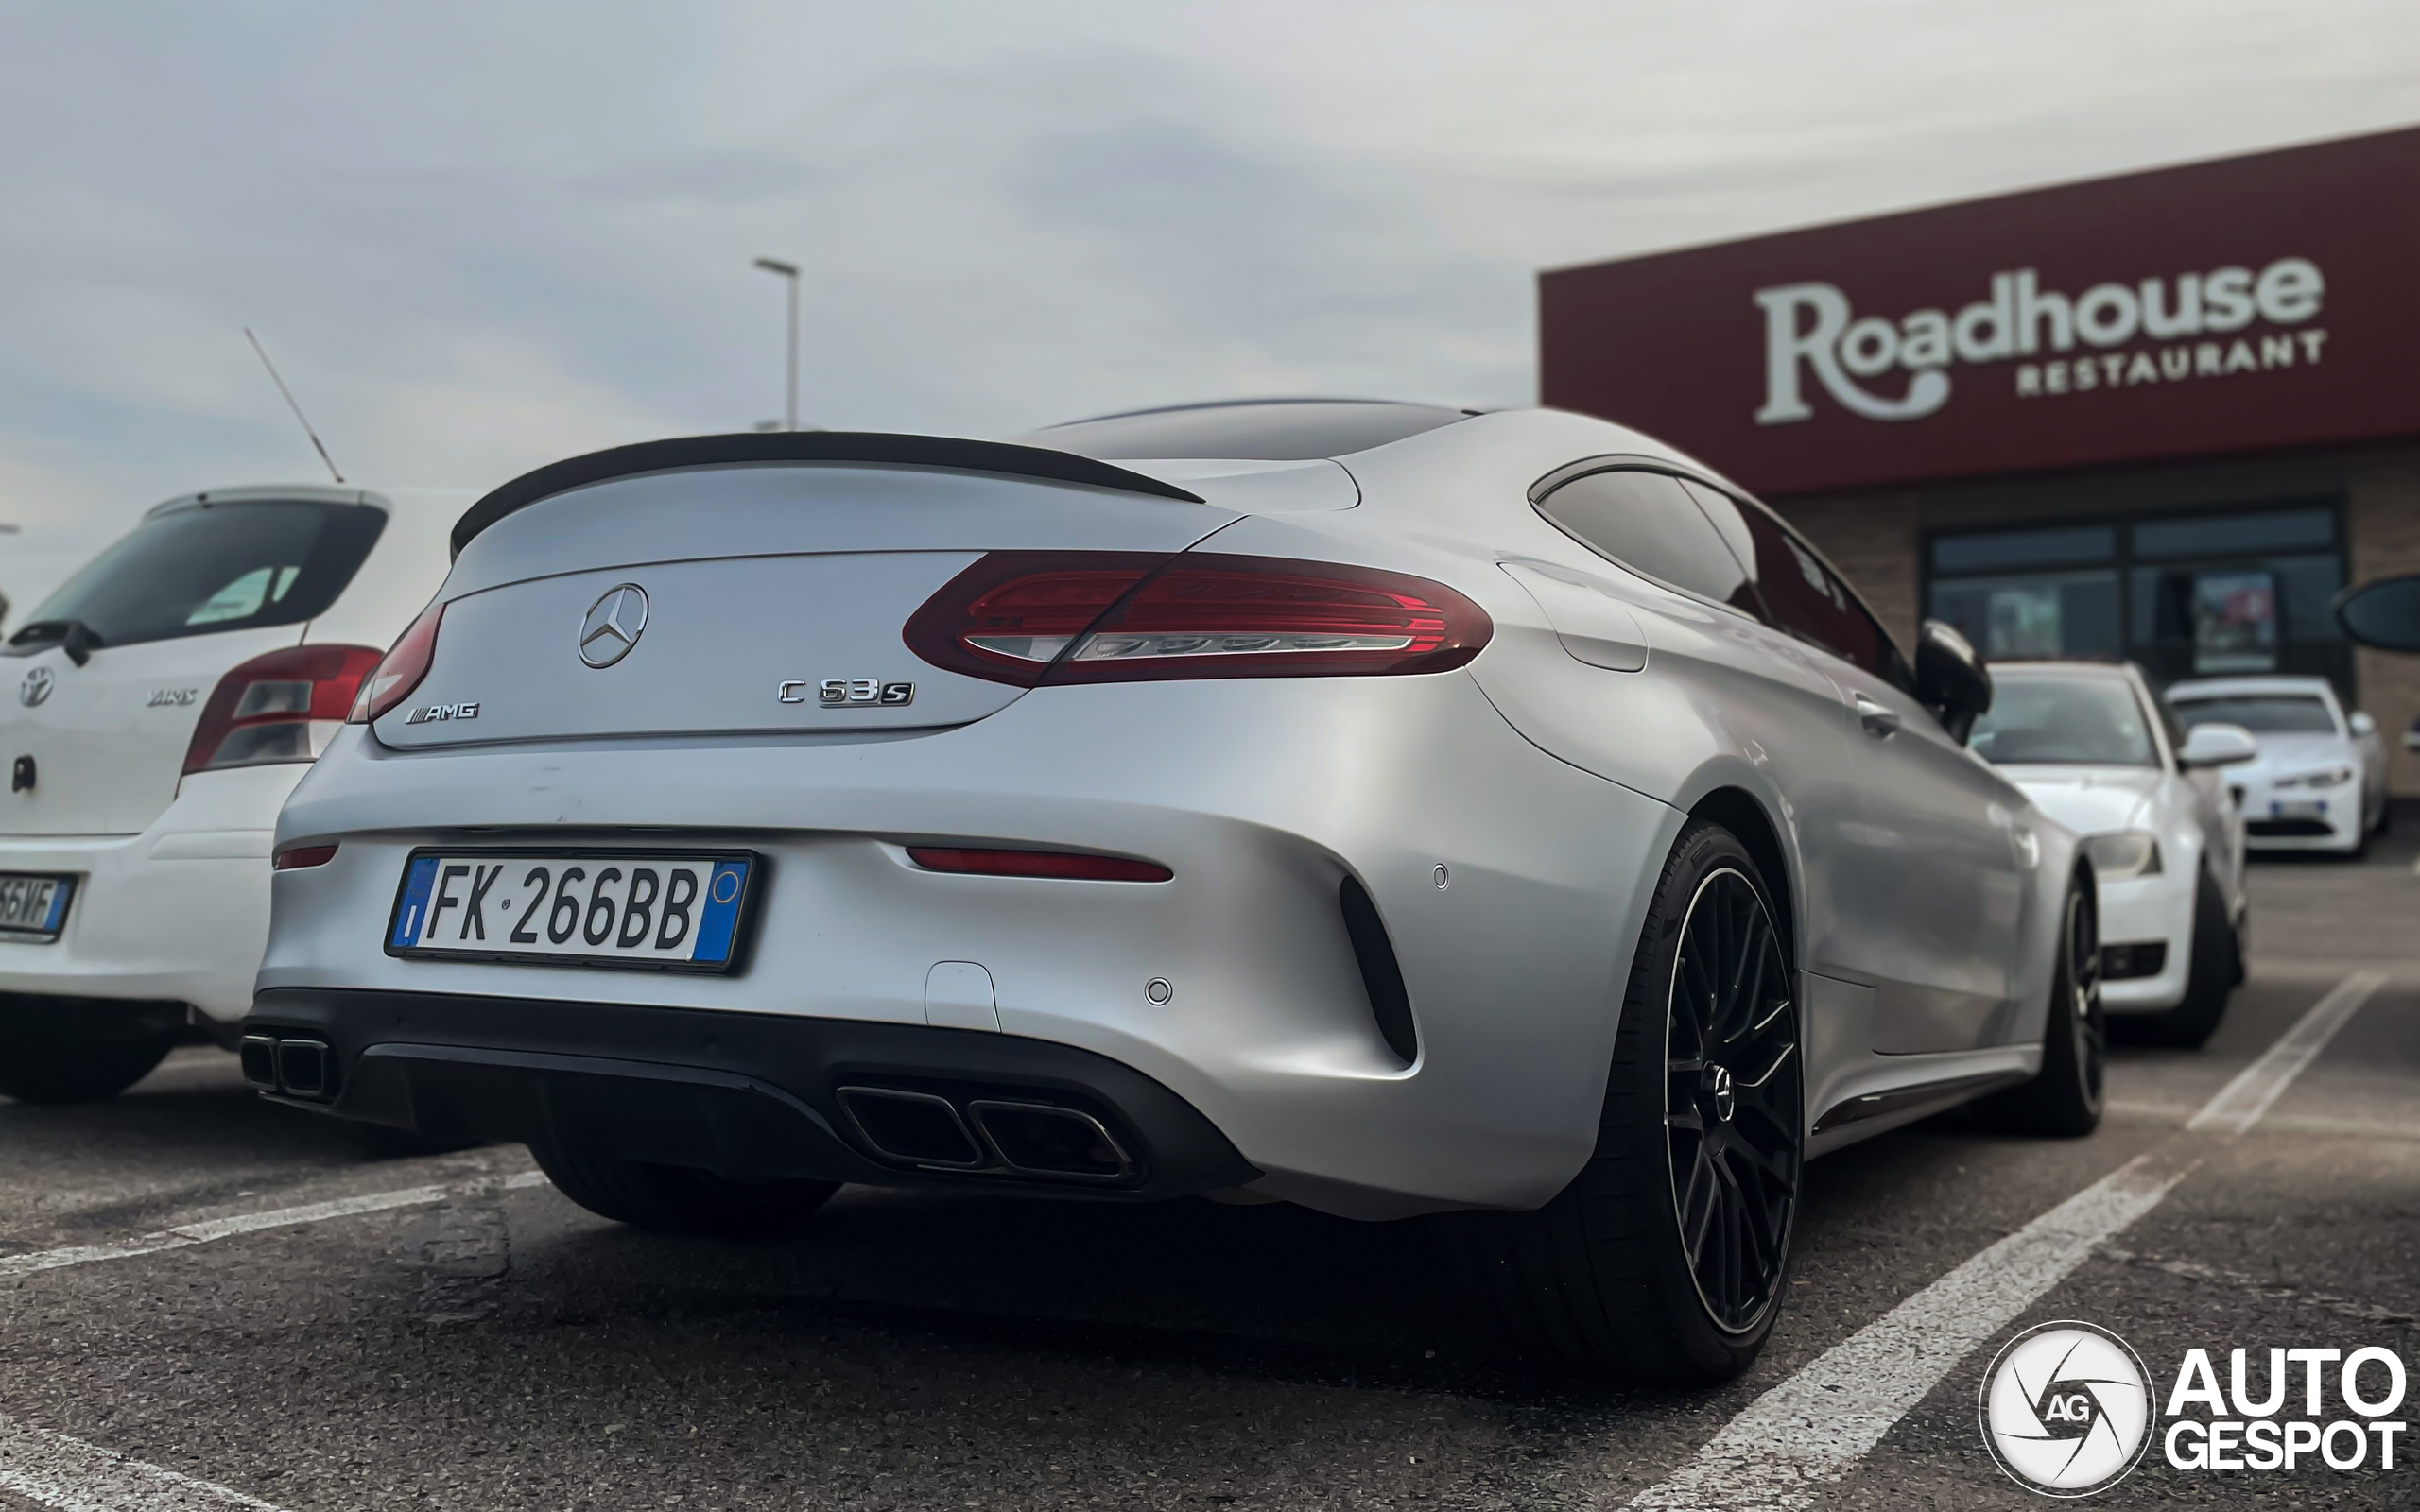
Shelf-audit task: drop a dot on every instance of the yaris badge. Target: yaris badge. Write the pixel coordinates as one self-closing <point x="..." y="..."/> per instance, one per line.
<point x="613" y="624"/>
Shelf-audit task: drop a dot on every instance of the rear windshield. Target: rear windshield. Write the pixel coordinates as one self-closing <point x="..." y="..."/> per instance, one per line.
<point x="2265" y="714"/>
<point x="211" y="567"/>
<point x="1289" y="431"/>
<point x="2063" y="721"/>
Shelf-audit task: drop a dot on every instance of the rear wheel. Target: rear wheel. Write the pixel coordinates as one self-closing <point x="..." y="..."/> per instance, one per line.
<point x="678" y="1198"/>
<point x="81" y="1050"/>
<point x="2215" y="971"/>
<point x="1667" y="1258"/>
<point x="2064" y="1100"/>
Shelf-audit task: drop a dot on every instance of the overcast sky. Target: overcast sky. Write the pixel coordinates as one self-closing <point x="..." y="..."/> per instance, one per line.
<point x="479" y="236"/>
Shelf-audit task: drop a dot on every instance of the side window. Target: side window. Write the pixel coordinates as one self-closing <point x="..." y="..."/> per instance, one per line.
<point x="1646" y="522"/>
<point x="1802" y="596"/>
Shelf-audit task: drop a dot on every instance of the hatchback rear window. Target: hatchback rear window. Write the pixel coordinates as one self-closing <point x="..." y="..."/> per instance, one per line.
<point x="1272" y="431"/>
<point x="200" y="569"/>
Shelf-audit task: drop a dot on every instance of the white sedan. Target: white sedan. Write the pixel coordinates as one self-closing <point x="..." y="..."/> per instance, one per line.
<point x="2320" y="780"/>
<point x="2088" y="745"/>
<point x="1378" y="807"/>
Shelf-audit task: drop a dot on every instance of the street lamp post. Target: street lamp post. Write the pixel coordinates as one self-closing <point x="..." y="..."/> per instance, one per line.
<point x="789" y="273"/>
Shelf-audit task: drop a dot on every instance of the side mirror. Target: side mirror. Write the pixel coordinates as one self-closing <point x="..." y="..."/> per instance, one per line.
<point x="2363" y="723"/>
<point x="1951" y="676"/>
<point x="2219" y="746"/>
<point x="2385" y="613"/>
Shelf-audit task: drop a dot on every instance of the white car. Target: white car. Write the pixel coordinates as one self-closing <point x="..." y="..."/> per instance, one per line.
<point x="2320" y="780"/>
<point x="154" y="714"/>
<point x="2093" y="748"/>
<point x="1378" y="807"/>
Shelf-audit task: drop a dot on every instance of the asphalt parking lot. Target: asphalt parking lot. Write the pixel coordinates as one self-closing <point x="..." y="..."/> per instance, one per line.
<point x="449" y="1332"/>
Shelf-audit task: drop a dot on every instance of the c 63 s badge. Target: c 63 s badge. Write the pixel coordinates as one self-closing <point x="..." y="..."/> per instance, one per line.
<point x="838" y="693"/>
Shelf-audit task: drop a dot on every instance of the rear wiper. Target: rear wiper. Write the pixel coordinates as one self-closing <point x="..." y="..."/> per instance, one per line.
<point x="74" y="637"/>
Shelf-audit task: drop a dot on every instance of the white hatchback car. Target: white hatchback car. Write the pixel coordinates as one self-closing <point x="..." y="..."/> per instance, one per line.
<point x="155" y="712"/>
<point x="2320" y="780"/>
<point x="1373" y="806"/>
<point x="2093" y="747"/>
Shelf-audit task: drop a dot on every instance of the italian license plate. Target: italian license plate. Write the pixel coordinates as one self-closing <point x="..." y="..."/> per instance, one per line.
<point x="678" y="911"/>
<point x="2287" y="808"/>
<point x="33" y="907"/>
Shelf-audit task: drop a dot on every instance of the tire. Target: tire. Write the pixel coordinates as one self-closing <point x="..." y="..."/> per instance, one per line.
<point x="680" y="1200"/>
<point x="2216" y="967"/>
<point x="1601" y="1281"/>
<point x="81" y="1050"/>
<point x="2064" y="1100"/>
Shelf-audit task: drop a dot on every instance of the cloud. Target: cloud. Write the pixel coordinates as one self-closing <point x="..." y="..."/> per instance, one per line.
<point x="477" y="238"/>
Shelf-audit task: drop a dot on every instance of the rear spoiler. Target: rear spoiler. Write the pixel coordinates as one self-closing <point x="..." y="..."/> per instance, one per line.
<point x="877" y="447"/>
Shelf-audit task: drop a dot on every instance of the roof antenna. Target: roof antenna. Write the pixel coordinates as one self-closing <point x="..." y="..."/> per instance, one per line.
<point x="292" y="405"/>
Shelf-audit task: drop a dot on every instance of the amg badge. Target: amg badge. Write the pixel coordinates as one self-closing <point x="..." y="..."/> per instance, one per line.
<point x="442" y="710"/>
<point x="833" y="692"/>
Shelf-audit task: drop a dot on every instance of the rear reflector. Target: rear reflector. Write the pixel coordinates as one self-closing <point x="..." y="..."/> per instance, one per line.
<point x="1061" y="864"/>
<point x="293" y="858"/>
<point x="280" y="707"/>
<point x="1035" y="618"/>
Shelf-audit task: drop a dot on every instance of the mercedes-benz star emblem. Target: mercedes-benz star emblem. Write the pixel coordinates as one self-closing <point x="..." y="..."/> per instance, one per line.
<point x="36" y="687"/>
<point x="613" y="625"/>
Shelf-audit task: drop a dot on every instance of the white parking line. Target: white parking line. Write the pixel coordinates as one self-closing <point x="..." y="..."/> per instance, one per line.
<point x="2240" y="1102"/>
<point x="55" y="1470"/>
<point x="187" y="1234"/>
<point x="1810" y="1430"/>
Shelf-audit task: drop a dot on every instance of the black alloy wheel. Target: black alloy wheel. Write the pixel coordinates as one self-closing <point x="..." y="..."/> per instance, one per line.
<point x="1732" y="1100"/>
<point x="2086" y="1022"/>
<point x="1666" y="1256"/>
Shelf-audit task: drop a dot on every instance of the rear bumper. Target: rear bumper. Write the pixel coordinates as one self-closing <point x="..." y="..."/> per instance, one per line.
<point x="743" y="1095"/>
<point x="178" y="913"/>
<point x="1265" y="798"/>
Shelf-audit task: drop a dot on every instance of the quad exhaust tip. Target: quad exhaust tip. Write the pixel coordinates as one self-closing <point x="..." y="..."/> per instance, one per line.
<point x="1017" y="1138"/>
<point x="304" y="1069"/>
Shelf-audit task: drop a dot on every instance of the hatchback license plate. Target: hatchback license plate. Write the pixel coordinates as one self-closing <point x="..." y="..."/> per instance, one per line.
<point x="33" y="907"/>
<point x="677" y="911"/>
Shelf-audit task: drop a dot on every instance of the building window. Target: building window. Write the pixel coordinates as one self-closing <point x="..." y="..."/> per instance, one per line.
<point x="2199" y="595"/>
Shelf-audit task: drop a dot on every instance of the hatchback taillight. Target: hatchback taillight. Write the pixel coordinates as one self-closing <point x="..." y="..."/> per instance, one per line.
<point x="1056" y="617"/>
<point x="402" y="670"/>
<point x="276" y="708"/>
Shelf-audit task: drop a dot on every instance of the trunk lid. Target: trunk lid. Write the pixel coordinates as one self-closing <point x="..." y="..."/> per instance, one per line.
<point x="755" y="586"/>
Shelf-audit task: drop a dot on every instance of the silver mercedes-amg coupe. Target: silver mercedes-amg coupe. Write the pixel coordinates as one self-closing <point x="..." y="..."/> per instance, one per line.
<point x="1389" y="809"/>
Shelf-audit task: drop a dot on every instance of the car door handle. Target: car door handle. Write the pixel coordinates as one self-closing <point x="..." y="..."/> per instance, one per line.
<point x="1880" y="721"/>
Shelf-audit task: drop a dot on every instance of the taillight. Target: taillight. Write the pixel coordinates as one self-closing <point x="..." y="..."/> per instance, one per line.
<point x="402" y="669"/>
<point x="1065" y="864"/>
<point x="1056" y="617"/>
<point x="281" y="707"/>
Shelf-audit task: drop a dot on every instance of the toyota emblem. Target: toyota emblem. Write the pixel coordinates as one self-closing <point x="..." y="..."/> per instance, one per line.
<point x="613" y="625"/>
<point x="36" y="687"/>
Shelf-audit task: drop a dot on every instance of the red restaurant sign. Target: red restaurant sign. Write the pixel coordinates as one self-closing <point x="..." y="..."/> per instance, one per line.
<point x="2256" y="302"/>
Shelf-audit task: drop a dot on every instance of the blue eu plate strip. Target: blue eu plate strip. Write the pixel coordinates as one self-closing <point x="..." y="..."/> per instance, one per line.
<point x="413" y="911"/>
<point x="719" y="919"/>
<point x="59" y="897"/>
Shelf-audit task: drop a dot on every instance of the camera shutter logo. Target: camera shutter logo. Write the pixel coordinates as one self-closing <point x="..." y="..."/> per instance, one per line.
<point x="613" y="624"/>
<point x="2067" y="1409"/>
<point x="36" y="687"/>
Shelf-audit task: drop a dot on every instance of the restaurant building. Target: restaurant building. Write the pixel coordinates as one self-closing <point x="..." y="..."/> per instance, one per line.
<point x="2165" y="416"/>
